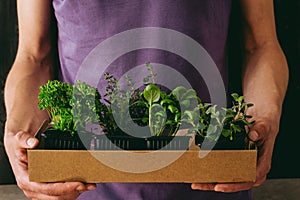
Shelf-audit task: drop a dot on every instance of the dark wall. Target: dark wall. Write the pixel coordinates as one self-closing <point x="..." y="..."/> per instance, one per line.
<point x="8" y="46"/>
<point x="288" y="24"/>
<point x="286" y="151"/>
<point x="286" y="154"/>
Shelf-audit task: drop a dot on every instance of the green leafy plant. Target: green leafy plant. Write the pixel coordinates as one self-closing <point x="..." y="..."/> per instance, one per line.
<point x="156" y="112"/>
<point x="213" y="120"/>
<point x="71" y="107"/>
<point x="118" y="101"/>
<point x="56" y="98"/>
<point x="164" y="109"/>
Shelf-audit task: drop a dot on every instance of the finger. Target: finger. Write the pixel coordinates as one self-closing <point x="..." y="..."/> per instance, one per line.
<point x="263" y="165"/>
<point x="26" y="140"/>
<point x="259" y="131"/>
<point x="55" y="189"/>
<point x="54" y="194"/>
<point x="233" y="187"/>
<point x="21" y="158"/>
<point x="253" y="135"/>
<point x="90" y="186"/>
<point x="260" y="181"/>
<point x="38" y="196"/>
<point x="203" y="186"/>
<point x="50" y="189"/>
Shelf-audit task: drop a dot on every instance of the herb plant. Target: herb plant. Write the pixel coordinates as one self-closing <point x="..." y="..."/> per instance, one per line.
<point x="55" y="97"/>
<point x="71" y="107"/>
<point x="213" y="119"/>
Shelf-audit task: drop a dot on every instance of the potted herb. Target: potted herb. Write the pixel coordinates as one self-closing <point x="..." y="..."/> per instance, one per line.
<point x="224" y="128"/>
<point x="67" y="105"/>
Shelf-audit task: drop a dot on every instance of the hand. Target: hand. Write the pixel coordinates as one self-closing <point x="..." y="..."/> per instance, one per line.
<point x="16" y="145"/>
<point x="263" y="133"/>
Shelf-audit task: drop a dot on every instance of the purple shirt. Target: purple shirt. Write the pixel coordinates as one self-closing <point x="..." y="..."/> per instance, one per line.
<point x="83" y="24"/>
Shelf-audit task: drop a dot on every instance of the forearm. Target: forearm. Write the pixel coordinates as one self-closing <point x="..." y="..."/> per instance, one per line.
<point x="21" y="92"/>
<point x="265" y="76"/>
<point x="33" y="66"/>
<point x="265" y="79"/>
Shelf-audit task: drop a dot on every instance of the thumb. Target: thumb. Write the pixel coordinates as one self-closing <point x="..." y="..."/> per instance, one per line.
<point x="26" y="140"/>
<point x="253" y="135"/>
<point x="258" y="131"/>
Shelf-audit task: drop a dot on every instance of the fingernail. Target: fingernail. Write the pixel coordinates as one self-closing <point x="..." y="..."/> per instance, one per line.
<point x="193" y="187"/>
<point x="30" y="142"/>
<point x="91" y="187"/>
<point x="80" y="188"/>
<point x="218" y="189"/>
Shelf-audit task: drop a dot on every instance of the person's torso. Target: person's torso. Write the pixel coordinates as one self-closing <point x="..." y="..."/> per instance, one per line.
<point x="83" y="24"/>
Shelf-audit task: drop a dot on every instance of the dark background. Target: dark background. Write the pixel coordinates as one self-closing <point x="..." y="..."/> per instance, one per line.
<point x="286" y="153"/>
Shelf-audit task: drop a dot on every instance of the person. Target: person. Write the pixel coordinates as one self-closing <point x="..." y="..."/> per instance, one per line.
<point x="84" y="24"/>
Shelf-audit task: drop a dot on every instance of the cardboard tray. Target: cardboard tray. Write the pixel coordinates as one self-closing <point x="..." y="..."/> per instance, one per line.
<point x="193" y="165"/>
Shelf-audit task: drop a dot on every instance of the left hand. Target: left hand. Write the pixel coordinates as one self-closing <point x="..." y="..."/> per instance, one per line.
<point x="263" y="133"/>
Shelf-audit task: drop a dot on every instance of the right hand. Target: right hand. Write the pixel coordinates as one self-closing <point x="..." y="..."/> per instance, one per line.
<point x="16" y="146"/>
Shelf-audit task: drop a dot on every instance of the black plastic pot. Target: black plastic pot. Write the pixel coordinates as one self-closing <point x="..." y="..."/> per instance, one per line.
<point x="106" y="142"/>
<point x="168" y="142"/>
<point x="52" y="139"/>
<point x="223" y="143"/>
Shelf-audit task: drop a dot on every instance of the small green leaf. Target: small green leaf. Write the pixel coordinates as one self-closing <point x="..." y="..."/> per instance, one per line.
<point x="160" y="113"/>
<point x="236" y="128"/>
<point x="145" y="119"/>
<point x="235" y="96"/>
<point x="241" y="99"/>
<point x="170" y="122"/>
<point x="226" y="132"/>
<point x="190" y="115"/>
<point x="201" y="126"/>
<point x="177" y="117"/>
<point x="173" y="109"/>
<point x="146" y="80"/>
<point x="211" y="110"/>
<point x="178" y="92"/>
<point x="152" y="93"/>
<point x="185" y="103"/>
<point x="190" y="94"/>
<point x="166" y="101"/>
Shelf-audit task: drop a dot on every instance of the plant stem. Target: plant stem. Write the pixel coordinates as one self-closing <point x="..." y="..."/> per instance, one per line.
<point x="150" y="119"/>
<point x="176" y="129"/>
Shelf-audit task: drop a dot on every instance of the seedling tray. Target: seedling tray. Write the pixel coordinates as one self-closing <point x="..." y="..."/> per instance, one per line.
<point x="57" y="140"/>
<point x="95" y="166"/>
